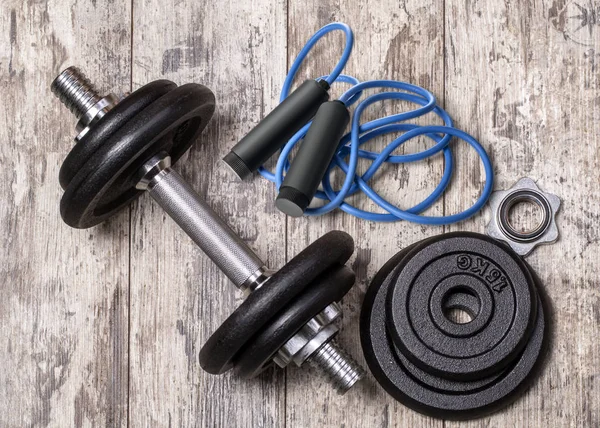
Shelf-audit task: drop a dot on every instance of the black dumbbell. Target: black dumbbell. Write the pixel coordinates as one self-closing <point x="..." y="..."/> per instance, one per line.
<point x="126" y="146"/>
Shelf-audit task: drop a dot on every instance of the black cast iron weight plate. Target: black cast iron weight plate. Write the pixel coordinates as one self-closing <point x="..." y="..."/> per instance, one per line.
<point x="238" y="330"/>
<point x="329" y="287"/>
<point x="105" y="183"/>
<point x="461" y="263"/>
<point x="428" y="393"/>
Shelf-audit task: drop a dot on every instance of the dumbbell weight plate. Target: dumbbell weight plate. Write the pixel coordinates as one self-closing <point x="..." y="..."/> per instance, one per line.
<point x="106" y="182"/>
<point x="438" y="397"/>
<point x="118" y="116"/>
<point x="219" y="351"/>
<point x="329" y="287"/>
<point x="423" y="391"/>
<point x="471" y="305"/>
<point x="463" y="262"/>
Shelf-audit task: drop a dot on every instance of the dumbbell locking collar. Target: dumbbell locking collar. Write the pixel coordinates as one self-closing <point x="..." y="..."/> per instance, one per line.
<point x="126" y="147"/>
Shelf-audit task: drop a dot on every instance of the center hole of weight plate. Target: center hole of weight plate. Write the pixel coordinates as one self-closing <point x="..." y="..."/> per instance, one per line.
<point x="460" y="305"/>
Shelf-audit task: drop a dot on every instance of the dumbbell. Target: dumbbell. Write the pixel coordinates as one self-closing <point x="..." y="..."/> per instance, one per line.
<point x="127" y="145"/>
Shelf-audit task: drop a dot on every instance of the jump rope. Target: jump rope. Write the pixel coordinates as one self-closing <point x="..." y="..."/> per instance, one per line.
<point x="360" y="133"/>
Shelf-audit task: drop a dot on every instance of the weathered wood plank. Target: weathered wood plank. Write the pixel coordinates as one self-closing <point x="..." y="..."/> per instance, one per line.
<point x="523" y="78"/>
<point x="525" y="81"/>
<point x="392" y="41"/>
<point x="178" y="296"/>
<point x="63" y="315"/>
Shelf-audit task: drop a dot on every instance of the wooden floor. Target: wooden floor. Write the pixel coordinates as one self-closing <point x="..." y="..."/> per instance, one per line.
<point x="102" y="327"/>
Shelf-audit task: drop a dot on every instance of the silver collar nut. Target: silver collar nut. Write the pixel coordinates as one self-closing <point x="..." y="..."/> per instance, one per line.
<point x="501" y="202"/>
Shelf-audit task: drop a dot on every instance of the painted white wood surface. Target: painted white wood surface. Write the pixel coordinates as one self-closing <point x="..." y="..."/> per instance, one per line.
<point x="102" y="327"/>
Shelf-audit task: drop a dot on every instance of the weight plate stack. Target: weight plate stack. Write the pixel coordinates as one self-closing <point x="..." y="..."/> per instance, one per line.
<point x="429" y="361"/>
<point x="100" y="173"/>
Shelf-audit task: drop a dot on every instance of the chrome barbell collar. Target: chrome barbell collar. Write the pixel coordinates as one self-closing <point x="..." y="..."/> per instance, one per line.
<point x="500" y="227"/>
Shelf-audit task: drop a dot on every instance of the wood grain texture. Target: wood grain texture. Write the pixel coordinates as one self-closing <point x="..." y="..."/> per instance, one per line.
<point x="63" y="315"/>
<point x="525" y="81"/>
<point x="178" y="296"/>
<point x="103" y="327"/>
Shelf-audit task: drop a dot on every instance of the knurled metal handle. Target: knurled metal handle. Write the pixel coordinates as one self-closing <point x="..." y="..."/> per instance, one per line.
<point x="226" y="249"/>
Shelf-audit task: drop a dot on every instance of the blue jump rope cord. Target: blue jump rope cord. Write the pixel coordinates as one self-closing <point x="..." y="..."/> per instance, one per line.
<point x="362" y="133"/>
